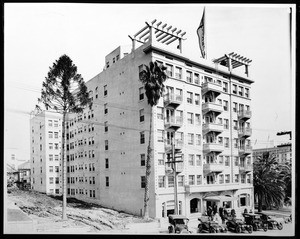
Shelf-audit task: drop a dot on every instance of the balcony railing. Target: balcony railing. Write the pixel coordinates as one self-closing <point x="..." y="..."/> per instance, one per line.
<point x="213" y="168"/>
<point x="245" y="150"/>
<point x="210" y="106"/>
<point x="246" y="168"/>
<point x="173" y="123"/>
<point x="172" y="100"/>
<point x="210" y="86"/>
<point x="212" y="147"/>
<point x="244" y="114"/>
<point x="178" y="144"/>
<point x="212" y="127"/>
<point x="245" y="132"/>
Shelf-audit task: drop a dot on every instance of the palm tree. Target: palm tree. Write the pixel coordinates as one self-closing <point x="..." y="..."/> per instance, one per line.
<point x="64" y="91"/>
<point x="153" y="77"/>
<point x="268" y="181"/>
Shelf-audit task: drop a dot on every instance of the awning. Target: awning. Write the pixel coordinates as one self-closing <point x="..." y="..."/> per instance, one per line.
<point x="220" y="198"/>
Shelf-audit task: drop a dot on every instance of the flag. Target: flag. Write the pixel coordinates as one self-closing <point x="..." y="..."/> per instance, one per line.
<point x="201" y="35"/>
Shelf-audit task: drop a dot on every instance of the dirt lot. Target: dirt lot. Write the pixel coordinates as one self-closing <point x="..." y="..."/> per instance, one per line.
<point x="47" y="211"/>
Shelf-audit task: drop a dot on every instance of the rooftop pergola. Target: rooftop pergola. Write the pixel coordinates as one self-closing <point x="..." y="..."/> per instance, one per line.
<point x="159" y="32"/>
<point x="233" y="60"/>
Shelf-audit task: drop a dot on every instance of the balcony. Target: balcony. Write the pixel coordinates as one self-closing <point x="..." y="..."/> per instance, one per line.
<point x="244" y="115"/>
<point x="212" y="127"/>
<point x="178" y="143"/>
<point x="210" y="86"/>
<point x="245" y="132"/>
<point x="173" y="123"/>
<point x="245" y="150"/>
<point x="169" y="167"/>
<point x="172" y="100"/>
<point x="213" y="168"/>
<point x="247" y="168"/>
<point x="210" y="106"/>
<point x="212" y="147"/>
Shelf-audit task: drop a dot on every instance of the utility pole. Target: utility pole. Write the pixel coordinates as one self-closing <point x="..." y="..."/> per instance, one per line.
<point x="175" y="177"/>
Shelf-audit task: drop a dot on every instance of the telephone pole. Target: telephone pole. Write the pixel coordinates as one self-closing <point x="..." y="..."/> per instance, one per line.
<point x="175" y="177"/>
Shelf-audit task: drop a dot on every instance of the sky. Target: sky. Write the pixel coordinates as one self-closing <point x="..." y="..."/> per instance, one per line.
<point x="37" y="34"/>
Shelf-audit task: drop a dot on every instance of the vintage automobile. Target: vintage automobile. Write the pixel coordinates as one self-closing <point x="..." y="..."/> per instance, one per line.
<point x="272" y="221"/>
<point x="207" y="225"/>
<point x="178" y="224"/>
<point x="238" y="225"/>
<point x="255" y="221"/>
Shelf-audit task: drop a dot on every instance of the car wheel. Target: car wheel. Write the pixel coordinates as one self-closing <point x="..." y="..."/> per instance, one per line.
<point x="250" y="229"/>
<point x="279" y="226"/>
<point x="238" y="229"/>
<point x="170" y="229"/>
<point x="200" y="228"/>
<point x="265" y="227"/>
<point x="255" y="227"/>
<point x="212" y="230"/>
<point x="177" y="231"/>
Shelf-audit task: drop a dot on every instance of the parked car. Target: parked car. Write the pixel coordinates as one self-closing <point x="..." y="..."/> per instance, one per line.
<point x="178" y="224"/>
<point x="255" y="221"/>
<point x="272" y="221"/>
<point x="238" y="225"/>
<point x="207" y="225"/>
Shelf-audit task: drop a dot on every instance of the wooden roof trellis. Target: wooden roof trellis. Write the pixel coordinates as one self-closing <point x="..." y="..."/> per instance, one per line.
<point x="234" y="59"/>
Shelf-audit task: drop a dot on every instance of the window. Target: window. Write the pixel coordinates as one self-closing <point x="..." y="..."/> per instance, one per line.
<point x="226" y="124"/>
<point x="56" y="180"/>
<point x="191" y="160"/>
<point x="50" y="123"/>
<point x="160" y="158"/>
<point x="50" y="145"/>
<point x="161" y="181"/>
<point x="105" y="109"/>
<point x="169" y="70"/>
<point x="226" y="142"/>
<point x="51" y="180"/>
<point x="56" y="169"/>
<point x="196" y="79"/>
<point x="170" y="181"/>
<point x="247" y="92"/>
<point x="225" y="105"/>
<point x="142" y="115"/>
<point x="234" y="90"/>
<point x="106" y="144"/>
<point x="143" y="160"/>
<point x="227" y="178"/>
<point x="220" y="121"/>
<point x="235" y="125"/>
<point x="236" y="161"/>
<point x="160" y="113"/>
<point x="55" y="123"/>
<point x="56" y="146"/>
<point x="56" y="135"/>
<point x="220" y="101"/>
<point x="197" y="99"/>
<point x="178" y="72"/>
<point x="221" y="179"/>
<point x="198" y="119"/>
<point x="189" y="77"/>
<point x="198" y="139"/>
<point x="191" y="179"/>
<point x="41" y="147"/>
<point x="234" y="107"/>
<point x="199" y="179"/>
<point x="220" y="140"/>
<point x="227" y="161"/>
<point x="143" y="181"/>
<point x="225" y="87"/>
<point x="190" y="139"/>
<point x="190" y="97"/>
<point x="236" y="178"/>
<point x="198" y="160"/>
<point x="107" y="181"/>
<point x="105" y="90"/>
<point x="50" y="169"/>
<point x="50" y="157"/>
<point x="142" y="137"/>
<point x="105" y="126"/>
<point x="50" y="135"/>
<point x="190" y="118"/>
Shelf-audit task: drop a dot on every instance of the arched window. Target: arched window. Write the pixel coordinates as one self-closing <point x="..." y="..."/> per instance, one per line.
<point x="195" y="205"/>
<point x="244" y="200"/>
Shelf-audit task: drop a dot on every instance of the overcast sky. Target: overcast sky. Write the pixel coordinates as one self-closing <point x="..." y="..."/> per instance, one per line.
<point x="35" y="35"/>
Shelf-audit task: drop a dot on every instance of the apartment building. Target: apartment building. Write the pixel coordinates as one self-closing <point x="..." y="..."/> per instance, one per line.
<point x="206" y="109"/>
<point x="45" y="150"/>
<point x="283" y="153"/>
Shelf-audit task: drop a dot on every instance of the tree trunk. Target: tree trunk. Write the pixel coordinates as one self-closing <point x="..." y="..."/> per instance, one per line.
<point x="148" y="172"/>
<point x="64" y="171"/>
<point x="259" y="197"/>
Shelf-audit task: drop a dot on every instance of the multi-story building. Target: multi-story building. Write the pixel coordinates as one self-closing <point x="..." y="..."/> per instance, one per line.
<point x="206" y="109"/>
<point x="45" y="150"/>
<point x="283" y="153"/>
